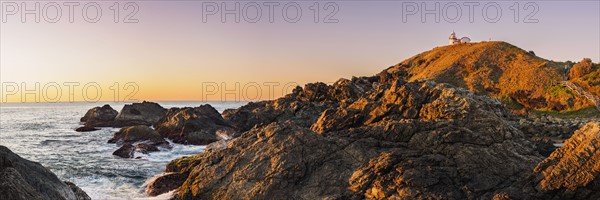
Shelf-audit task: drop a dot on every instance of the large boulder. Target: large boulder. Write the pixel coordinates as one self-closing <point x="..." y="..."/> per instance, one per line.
<point x="201" y="125"/>
<point x="79" y="193"/>
<point x="393" y="140"/>
<point x="99" y="117"/>
<point x="136" y="134"/>
<point x="128" y="149"/>
<point x="140" y="138"/>
<point x="125" y="151"/>
<point x="21" y="179"/>
<point x="145" y="113"/>
<point x="164" y="183"/>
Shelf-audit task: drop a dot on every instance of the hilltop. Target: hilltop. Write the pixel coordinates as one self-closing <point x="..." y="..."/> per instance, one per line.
<point x="388" y="136"/>
<point x="517" y="77"/>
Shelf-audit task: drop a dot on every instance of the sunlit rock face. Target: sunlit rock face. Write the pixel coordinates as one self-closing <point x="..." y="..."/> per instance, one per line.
<point x="573" y="170"/>
<point x="364" y="138"/>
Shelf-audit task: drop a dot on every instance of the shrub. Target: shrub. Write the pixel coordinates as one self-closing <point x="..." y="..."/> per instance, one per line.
<point x="580" y="69"/>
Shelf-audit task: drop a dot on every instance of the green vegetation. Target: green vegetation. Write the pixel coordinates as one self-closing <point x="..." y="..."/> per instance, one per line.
<point x="590" y="81"/>
<point x="588" y="112"/>
<point x="559" y="90"/>
<point x="581" y="69"/>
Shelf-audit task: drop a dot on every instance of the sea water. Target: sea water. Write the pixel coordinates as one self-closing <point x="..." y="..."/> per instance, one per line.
<point x="44" y="133"/>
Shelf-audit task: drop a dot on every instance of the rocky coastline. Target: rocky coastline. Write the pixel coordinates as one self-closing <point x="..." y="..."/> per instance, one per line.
<point x="367" y="138"/>
<point x="373" y="137"/>
<point x="378" y="138"/>
<point x="387" y="136"/>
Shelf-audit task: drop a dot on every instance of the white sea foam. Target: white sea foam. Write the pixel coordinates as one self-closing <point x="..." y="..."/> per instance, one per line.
<point x="44" y="133"/>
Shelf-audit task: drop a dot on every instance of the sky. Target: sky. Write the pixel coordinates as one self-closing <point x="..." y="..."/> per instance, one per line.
<point x="196" y="50"/>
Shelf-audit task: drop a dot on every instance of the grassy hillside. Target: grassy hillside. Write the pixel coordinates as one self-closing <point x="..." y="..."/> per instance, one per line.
<point x="499" y="69"/>
<point x="591" y="81"/>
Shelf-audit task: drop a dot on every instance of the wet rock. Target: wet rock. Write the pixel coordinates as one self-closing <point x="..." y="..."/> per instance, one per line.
<point x="136" y="134"/>
<point x="145" y="113"/>
<point x="21" y="179"/>
<point x="79" y="193"/>
<point x="86" y="129"/>
<point x="199" y="126"/>
<point x="99" y="117"/>
<point x="146" y="148"/>
<point x="125" y="151"/>
<point x="165" y="183"/>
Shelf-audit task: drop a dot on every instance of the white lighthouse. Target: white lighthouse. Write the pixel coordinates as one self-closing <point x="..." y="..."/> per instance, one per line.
<point x="454" y="40"/>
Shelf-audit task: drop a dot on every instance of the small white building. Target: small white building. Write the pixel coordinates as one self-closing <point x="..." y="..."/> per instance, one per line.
<point x="454" y="40"/>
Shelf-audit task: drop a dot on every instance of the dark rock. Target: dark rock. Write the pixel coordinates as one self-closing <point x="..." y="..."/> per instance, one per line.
<point x="251" y="114"/>
<point x="136" y="134"/>
<point x="99" y="117"/>
<point x="145" y="148"/>
<point x="145" y="113"/>
<point x="125" y="151"/>
<point x="199" y="126"/>
<point x="86" y="129"/>
<point x="21" y="179"/>
<point x="543" y="126"/>
<point x="264" y="171"/>
<point x="303" y="105"/>
<point x="543" y="145"/>
<point x="165" y="183"/>
<point x="15" y="187"/>
<point x="79" y="193"/>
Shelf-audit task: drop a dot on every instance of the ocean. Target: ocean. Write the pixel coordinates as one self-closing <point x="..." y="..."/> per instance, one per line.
<point x="44" y="133"/>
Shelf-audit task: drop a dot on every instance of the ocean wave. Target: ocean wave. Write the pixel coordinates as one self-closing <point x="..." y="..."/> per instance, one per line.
<point x="46" y="135"/>
<point x="50" y="141"/>
<point x="35" y="126"/>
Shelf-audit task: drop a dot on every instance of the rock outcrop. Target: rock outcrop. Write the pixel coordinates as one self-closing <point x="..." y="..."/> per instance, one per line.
<point x="136" y="134"/>
<point x="546" y="131"/>
<point x="165" y="183"/>
<point x="79" y="193"/>
<point x="201" y="125"/>
<point x="21" y="179"/>
<point x="98" y="117"/>
<point x="373" y="137"/>
<point x="573" y="171"/>
<point x="128" y="150"/>
<point x="125" y="151"/>
<point x="86" y="129"/>
<point x="303" y="106"/>
<point x="140" y="138"/>
<point x="145" y="113"/>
